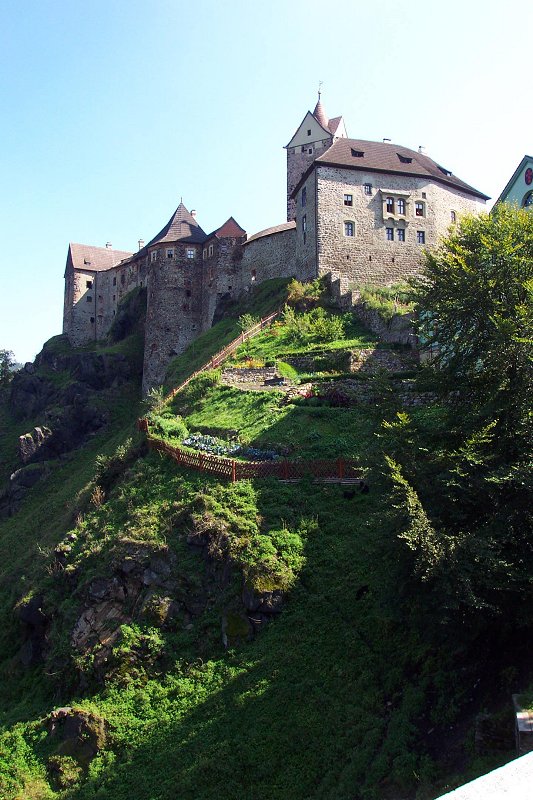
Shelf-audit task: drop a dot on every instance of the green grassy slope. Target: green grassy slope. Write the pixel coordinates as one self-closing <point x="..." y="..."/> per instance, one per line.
<point x="345" y="695"/>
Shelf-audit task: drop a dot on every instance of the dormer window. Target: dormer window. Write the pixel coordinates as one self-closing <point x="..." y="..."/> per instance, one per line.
<point x="357" y="153"/>
<point x="89" y="284"/>
<point x="444" y="170"/>
<point x="404" y="159"/>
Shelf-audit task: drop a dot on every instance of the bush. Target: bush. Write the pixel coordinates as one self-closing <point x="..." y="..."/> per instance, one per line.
<point x="313" y="326"/>
<point x="303" y="296"/>
<point x="387" y="300"/>
<point x="247" y="321"/>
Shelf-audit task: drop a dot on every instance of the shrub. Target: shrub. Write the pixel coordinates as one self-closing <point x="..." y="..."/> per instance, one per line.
<point x="387" y="300"/>
<point x="313" y="326"/>
<point x="247" y="321"/>
<point x="304" y="296"/>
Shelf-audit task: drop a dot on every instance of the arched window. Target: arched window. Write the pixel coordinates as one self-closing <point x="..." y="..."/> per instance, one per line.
<point x="349" y="228"/>
<point x="528" y="200"/>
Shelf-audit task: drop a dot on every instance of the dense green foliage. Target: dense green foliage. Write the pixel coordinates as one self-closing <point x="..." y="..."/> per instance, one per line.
<point x="7" y="363"/>
<point x="386" y="300"/>
<point x="464" y="483"/>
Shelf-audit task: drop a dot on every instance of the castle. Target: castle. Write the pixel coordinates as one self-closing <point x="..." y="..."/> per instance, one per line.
<point x="358" y="211"/>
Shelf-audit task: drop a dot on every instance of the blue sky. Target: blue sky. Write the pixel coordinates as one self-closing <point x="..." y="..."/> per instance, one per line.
<point x="112" y="111"/>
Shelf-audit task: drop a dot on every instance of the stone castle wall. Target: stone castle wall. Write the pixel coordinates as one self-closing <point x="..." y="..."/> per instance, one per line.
<point x="299" y="159"/>
<point x="368" y="256"/>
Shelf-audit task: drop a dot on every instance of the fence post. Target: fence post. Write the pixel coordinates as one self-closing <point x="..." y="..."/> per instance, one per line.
<point x="201" y="461"/>
<point x="233" y="471"/>
<point x="340" y="467"/>
<point x="285" y="470"/>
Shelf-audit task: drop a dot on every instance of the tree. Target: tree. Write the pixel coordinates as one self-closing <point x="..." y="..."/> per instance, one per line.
<point x="461" y="472"/>
<point x="475" y="305"/>
<point x="7" y="364"/>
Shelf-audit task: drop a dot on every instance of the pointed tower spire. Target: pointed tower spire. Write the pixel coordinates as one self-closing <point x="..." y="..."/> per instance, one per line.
<point x="319" y="114"/>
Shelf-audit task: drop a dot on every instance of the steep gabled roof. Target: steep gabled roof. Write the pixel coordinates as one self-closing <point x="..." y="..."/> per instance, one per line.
<point x="359" y="154"/>
<point x="181" y="227"/>
<point x="230" y="228"/>
<point x="94" y="259"/>
<point x="333" y="124"/>
<point x="513" y="178"/>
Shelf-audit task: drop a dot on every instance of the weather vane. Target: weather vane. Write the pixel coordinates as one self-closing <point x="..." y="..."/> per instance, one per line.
<point x="320" y="88"/>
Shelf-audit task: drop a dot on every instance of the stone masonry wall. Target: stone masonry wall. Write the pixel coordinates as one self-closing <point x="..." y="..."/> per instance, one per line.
<point x="270" y="256"/>
<point x="174" y="310"/>
<point x="368" y="257"/>
<point x="298" y="160"/>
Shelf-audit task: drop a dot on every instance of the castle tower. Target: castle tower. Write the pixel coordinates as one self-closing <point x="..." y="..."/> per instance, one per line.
<point x="174" y="303"/>
<point x="315" y="134"/>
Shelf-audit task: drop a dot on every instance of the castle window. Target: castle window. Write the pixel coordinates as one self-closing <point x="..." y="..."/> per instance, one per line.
<point x="303" y="148"/>
<point x="153" y="256"/>
<point x="304" y="196"/>
<point x="89" y="284"/>
<point x="191" y="252"/>
<point x="389" y="204"/>
<point x="254" y="275"/>
<point x="349" y="228"/>
<point x="114" y="281"/>
<point x="122" y="278"/>
<point x="390" y="234"/>
<point x="401" y="234"/>
<point x="210" y="250"/>
<point x="304" y="226"/>
<point x="419" y="209"/>
<point x="114" y="297"/>
<point x="92" y="320"/>
<point x="188" y="292"/>
<point x="348" y="200"/>
<point x="89" y="298"/>
<point x="204" y="254"/>
<point x="310" y="151"/>
<point x="114" y="312"/>
<point x="421" y="237"/>
<point x="453" y="216"/>
<point x="423" y="195"/>
<point x="170" y="252"/>
<point x="309" y="132"/>
<point x="368" y="188"/>
<point x="528" y="200"/>
<point x="400" y="205"/>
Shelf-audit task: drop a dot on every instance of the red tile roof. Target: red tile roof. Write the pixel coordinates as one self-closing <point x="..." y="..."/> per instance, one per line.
<point x="181" y="227"/>
<point x="320" y="115"/>
<point x="94" y="259"/>
<point x="230" y="228"/>
<point x="360" y="154"/>
<point x="285" y="226"/>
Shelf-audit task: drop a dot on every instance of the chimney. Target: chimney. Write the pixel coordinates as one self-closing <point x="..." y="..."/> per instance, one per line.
<point x="387" y="140"/>
<point x="193" y="212"/>
<point x="141" y="243"/>
<point x="108" y="245"/>
<point x="421" y="148"/>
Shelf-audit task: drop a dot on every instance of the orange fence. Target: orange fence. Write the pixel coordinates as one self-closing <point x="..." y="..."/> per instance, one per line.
<point x="340" y="469"/>
<point x="221" y="356"/>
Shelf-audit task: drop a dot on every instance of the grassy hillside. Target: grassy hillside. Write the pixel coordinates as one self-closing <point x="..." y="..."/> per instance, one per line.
<point x="345" y="694"/>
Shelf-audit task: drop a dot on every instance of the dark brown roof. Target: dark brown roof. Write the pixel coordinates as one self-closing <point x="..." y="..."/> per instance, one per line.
<point x="285" y="226"/>
<point x="94" y="259"/>
<point x="230" y="228"/>
<point x="384" y="157"/>
<point x="181" y="227"/>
